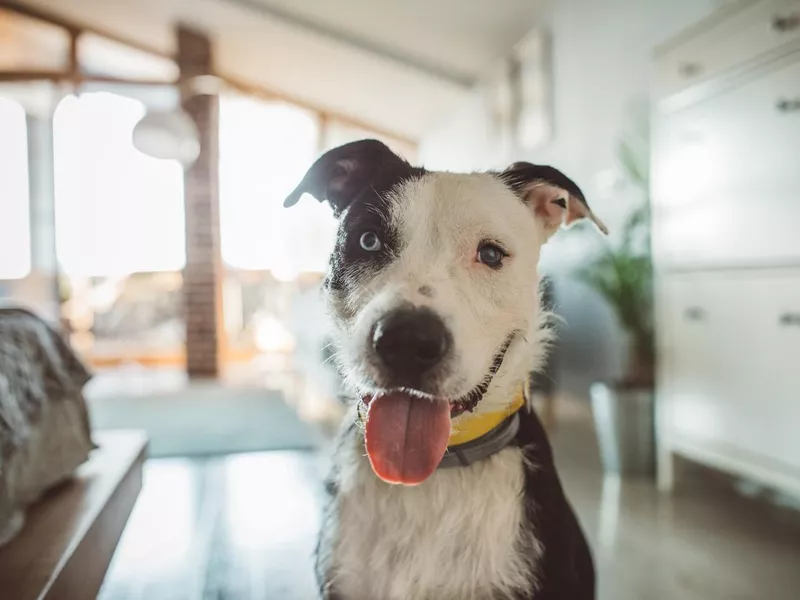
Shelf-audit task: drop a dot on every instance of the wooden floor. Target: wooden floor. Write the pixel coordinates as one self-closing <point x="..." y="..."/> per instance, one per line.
<point x="232" y="528"/>
<point x="243" y="528"/>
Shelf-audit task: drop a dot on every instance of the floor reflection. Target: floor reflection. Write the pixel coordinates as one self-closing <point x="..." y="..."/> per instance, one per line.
<point x="609" y="513"/>
<point x="236" y="527"/>
<point x="270" y="519"/>
<point x="243" y="527"/>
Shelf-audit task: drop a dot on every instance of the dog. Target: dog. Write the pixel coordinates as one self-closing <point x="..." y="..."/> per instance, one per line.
<point x="443" y="485"/>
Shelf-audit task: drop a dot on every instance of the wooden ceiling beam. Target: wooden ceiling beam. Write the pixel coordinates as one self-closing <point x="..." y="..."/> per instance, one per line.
<point x="75" y="29"/>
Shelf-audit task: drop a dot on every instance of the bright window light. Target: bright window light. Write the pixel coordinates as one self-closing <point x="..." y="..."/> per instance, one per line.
<point x="265" y="149"/>
<point x="117" y="211"/>
<point x="15" y="227"/>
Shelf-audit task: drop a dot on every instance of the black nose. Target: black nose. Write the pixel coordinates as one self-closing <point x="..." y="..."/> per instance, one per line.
<point x="410" y="341"/>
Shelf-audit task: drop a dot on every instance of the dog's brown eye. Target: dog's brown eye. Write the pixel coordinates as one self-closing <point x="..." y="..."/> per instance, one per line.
<point x="491" y="255"/>
<point x="370" y="241"/>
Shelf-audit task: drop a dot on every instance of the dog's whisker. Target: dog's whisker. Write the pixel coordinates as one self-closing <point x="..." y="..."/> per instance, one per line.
<point x="331" y="359"/>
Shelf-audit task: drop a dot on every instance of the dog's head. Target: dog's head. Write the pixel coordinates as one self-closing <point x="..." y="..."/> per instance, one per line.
<point x="433" y="288"/>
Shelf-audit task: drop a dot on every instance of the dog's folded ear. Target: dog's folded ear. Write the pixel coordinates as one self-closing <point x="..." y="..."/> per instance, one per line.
<point x="553" y="196"/>
<point x="340" y="175"/>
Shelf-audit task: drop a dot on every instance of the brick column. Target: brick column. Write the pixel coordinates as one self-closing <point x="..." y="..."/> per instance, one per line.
<point x="203" y="272"/>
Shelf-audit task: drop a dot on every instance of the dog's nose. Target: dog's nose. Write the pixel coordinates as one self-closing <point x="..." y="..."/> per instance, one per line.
<point x="410" y="341"/>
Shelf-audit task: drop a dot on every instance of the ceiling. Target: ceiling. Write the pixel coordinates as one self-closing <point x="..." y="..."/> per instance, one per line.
<point x="395" y="64"/>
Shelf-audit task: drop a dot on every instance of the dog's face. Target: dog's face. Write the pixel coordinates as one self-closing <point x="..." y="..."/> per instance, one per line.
<point x="433" y="283"/>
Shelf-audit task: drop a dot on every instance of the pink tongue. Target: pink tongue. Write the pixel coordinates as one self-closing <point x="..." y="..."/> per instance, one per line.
<point x="406" y="437"/>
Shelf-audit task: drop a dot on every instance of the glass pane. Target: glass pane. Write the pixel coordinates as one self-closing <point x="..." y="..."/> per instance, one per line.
<point x="15" y="238"/>
<point x="100" y="56"/>
<point x="265" y="149"/>
<point x="272" y="253"/>
<point x="119" y="234"/>
<point x="109" y="196"/>
<point x="159" y="97"/>
<point x="27" y="44"/>
<point x="338" y="133"/>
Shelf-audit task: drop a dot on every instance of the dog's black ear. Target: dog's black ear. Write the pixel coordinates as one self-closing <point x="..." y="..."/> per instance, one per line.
<point x="340" y="175"/>
<point x="553" y="196"/>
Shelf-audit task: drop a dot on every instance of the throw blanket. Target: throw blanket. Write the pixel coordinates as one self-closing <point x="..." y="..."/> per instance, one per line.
<point x="36" y="367"/>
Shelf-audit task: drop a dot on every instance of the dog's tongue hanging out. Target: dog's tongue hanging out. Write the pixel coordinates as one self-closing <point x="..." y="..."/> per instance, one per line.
<point x="406" y="437"/>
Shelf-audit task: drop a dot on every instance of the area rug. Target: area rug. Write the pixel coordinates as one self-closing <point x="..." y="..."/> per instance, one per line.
<point x="206" y="420"/>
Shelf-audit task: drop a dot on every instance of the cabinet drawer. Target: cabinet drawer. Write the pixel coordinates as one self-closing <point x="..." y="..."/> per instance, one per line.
<point x="729" y="233"/>
<point x="689" y="360"/>
<point x="726" y="182"/>
<point x="730" y="360"/>
<point x="754" y="30"/>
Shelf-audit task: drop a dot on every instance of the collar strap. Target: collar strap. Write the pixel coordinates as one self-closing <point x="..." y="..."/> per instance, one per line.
<point x="470" y="427"/>
<point x="485" y="446"/>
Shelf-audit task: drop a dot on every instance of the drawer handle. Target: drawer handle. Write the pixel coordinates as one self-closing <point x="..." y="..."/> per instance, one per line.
<point x="786" y="23"/>
<point x="690" y="70"/>
<point x="694" y="313"/>
<point x="789" y="320"/>
<point x="786" y="105"/>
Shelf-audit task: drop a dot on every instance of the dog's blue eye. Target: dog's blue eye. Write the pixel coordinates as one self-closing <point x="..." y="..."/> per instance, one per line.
<point x="491" y="255"/>
<point x="370" y="241"/>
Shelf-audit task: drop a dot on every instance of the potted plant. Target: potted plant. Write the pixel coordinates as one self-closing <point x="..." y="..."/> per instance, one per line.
<point x="622" y="274"/>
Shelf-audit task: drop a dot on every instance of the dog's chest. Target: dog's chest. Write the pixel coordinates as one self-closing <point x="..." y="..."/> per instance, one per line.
<point x="459" y="535"/>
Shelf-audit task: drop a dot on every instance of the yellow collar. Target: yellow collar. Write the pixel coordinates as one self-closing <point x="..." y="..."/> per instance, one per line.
<point x="472" y="426"/>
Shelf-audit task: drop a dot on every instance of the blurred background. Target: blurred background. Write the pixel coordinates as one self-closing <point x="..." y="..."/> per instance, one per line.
<point x="146" y="148"/>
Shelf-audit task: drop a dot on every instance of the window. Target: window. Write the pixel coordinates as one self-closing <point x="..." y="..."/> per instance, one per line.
<point x="15" y="227"/>
<point x="117" y="210"/>
<point x="265" y="149"/>
<point x="98" y="55"/>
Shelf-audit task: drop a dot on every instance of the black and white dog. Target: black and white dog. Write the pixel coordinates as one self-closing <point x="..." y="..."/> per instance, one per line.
<point x="443" y="485"/>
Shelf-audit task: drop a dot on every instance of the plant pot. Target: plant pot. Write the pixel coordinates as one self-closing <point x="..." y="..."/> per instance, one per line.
<point x="624" y="417"/>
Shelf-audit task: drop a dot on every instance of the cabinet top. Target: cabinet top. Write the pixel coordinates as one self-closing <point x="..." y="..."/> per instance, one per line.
<point x="698" y="28"/>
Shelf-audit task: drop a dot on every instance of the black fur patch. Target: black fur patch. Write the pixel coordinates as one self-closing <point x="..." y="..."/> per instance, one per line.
<point x="357" y="179"/>
<point x="349" y="262"/>
<point x="566" y="569"/>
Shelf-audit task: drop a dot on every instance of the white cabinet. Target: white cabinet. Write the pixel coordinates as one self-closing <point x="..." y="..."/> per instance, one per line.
<point x="726" y="218"/>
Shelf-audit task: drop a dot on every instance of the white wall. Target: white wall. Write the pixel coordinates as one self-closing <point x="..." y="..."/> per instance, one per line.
<point x="601" y="70"/>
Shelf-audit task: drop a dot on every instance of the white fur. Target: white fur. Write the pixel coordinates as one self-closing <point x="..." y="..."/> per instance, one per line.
<point x="458" y="536"/>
